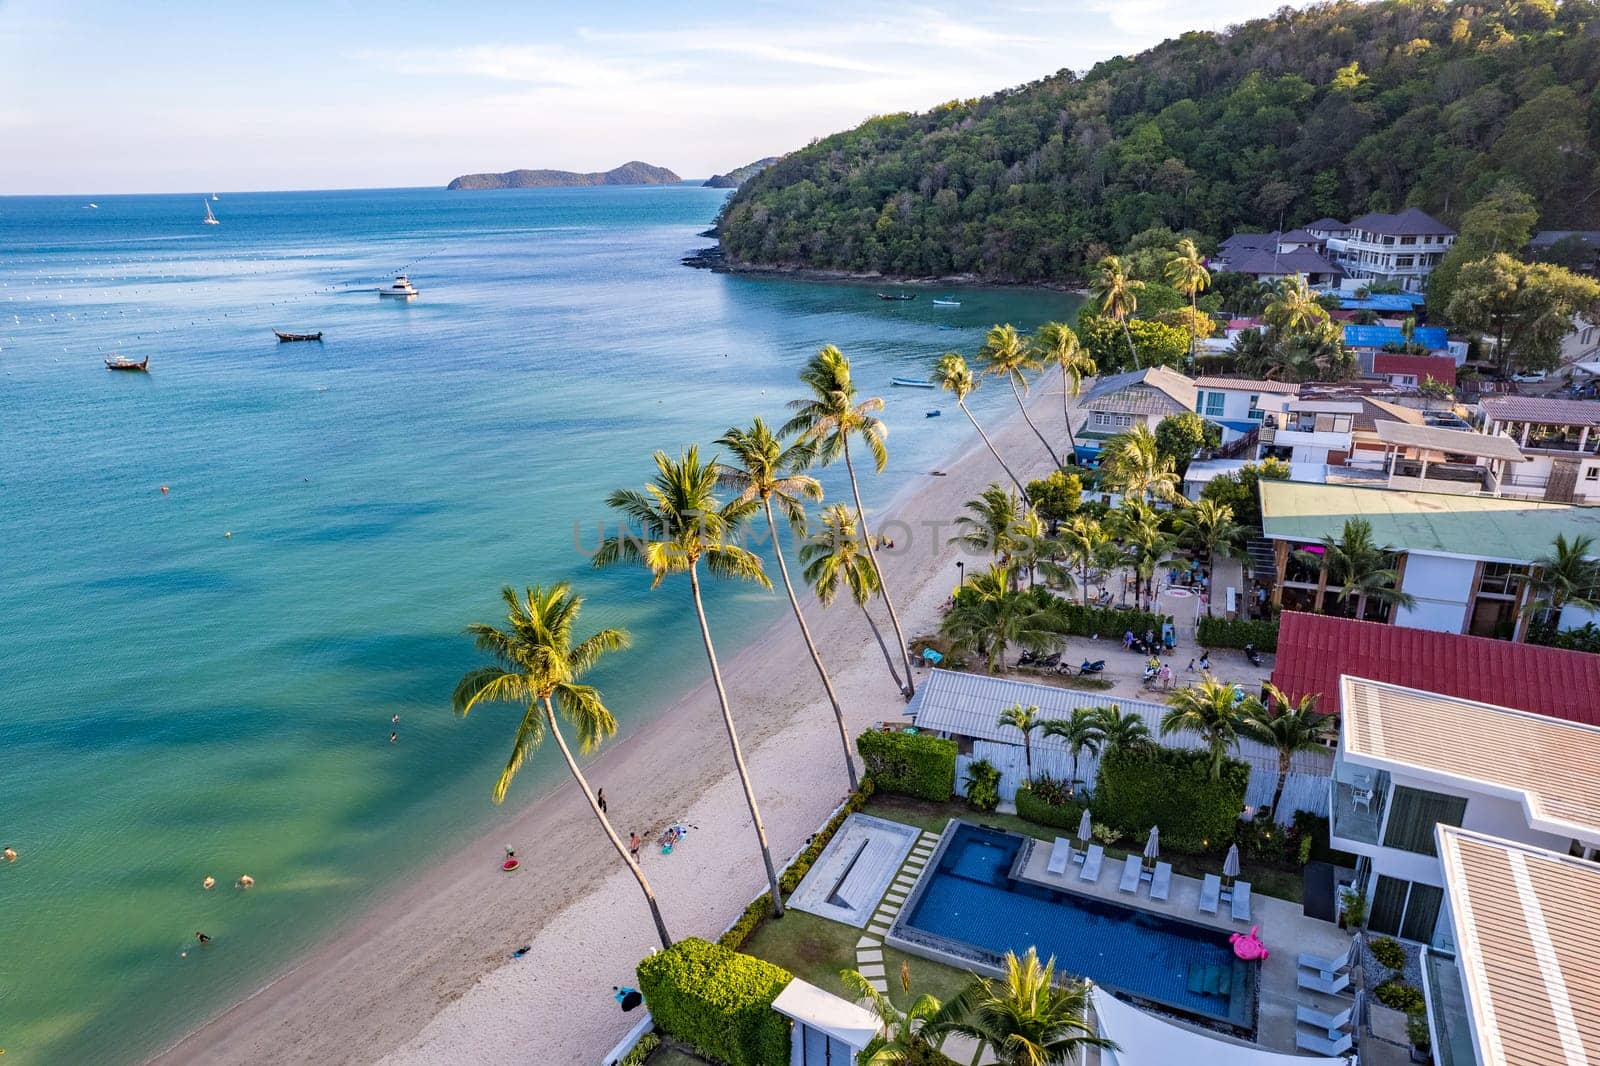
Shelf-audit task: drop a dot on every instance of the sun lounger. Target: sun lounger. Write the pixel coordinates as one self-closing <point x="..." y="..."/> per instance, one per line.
<point x="1091" y="863"/>
<point x="1331" y="1024"/>
<point x="1328" y="986"/>
<point x="1210" y="891"/>
<point x="1161" y="884"/>
<point x="1322" y="1045"/>
<point x="1060" y="856"/>
<point x="1324" y="966"/>
<point x="1241" y="901"/>
<point x="1130" y="875"/>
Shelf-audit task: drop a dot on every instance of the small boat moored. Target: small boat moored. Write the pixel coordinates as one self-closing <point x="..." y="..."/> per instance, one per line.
<point x="913" y="383"/>
<point x="931" y="414"/>
<point x="400" y="287"/>
<point x="282" y="336"/>
<point x="119" y="363"/>
<point x="897" y="296"/>
<point x="947" y="303"/>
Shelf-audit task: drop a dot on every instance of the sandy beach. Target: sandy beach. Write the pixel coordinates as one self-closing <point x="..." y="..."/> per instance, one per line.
<point x="427" y="975"/>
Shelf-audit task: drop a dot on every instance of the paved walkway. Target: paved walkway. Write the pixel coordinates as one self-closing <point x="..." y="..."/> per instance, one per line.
<point x="869" y="949"/>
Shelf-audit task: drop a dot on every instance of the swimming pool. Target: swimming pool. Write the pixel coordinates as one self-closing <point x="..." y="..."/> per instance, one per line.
<point x="967" y="904"/>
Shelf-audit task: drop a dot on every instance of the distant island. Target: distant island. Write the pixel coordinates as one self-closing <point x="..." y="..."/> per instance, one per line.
<point x="631" y="173"/>
<point x="735" y="178"/>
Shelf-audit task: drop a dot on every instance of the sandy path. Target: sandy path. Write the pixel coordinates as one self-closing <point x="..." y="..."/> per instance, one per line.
<point x="426" y="976"/>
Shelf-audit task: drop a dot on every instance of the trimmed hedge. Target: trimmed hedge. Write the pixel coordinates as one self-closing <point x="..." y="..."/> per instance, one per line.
<point x="1237" y="632"/>
<point x="1147" y="785"/>
<point x="1110" y="623"/>
<point x="718" y="1001"/>
<point x="1031" y="807"/>
<point x="910" y="764"/>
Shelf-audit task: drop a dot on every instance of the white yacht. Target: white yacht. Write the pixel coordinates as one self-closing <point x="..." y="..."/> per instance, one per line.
<point x="401" y="287"/>
<point x="210" y="219"/>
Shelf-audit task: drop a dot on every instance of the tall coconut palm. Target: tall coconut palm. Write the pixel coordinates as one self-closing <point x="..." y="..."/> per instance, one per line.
<point x="677" y="522"/>
<point x="1209" y="526"/>
<point x="1036" y="552"/>
<point x="1081" y="732"/>
<point x="1288" y="727"/>
<point x="1186" y="271"/>
<point x="1357" y="567"/>
<point x="536" y="664"/>
<point x="1026" y="1017"/>
<point x="993" y="524"/>
<point x="952" y="374"/>
<point x="835" y="559"/>
<point x="1118" y="296"/>
<point x="1006" y="355"/>
<point x="1133" y="462"/>
<point x="1143" y="535"/>
<point x="1024" y="720"/>
<point x="768" y="470"/>
<point x="1565" y="576"/>
<point x="1057" y="345"/>
<point x="990" y="615"/>
<point x="1209" y="710"/>
<point x="1119" y="729"/>
<point x="1294" y="308"/>
<point x="1083" y="538"/>
<point x="828" y="419"/>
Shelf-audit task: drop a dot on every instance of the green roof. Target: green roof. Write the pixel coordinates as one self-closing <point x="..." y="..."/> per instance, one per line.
<point x="1431" y="523"/>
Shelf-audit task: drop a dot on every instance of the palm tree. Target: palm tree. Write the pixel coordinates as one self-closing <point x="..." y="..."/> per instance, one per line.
<point x="833" y="558"/>
<point x="671" y="526"/>
<point x="1294" y="308"/>
<point x="768" y="471"/>
<point x="1566" y="576"/>
<point x="1186" y="271"/>
<point x="1057" y="345"/>
<point x="993" y="526"/>
<point x="1082" y="732"/>
<point x="1026" y="1017"/>
<point x="537" y="664"/>
<point x="1287" y="726"/>
<point x="1006" y="355"/>
<point x="1083" y="538"/>
<point x="1208" y="709"/>
<point x="990" y="615"/>
<point x="909" y="1036"/>
<point x="1034" y="550"/>
<point x="1211" y="528"/>
<point x="1118" y="296"/>
<point x="1025" y="720"/>
<point x="1135" y="465"/>
<point x="952" y="374"/>
<point x="1143" y="534"/>
<point x="828" y="419"/>
<point x="1119" y="729"/>
<point x="1357" y="567"/>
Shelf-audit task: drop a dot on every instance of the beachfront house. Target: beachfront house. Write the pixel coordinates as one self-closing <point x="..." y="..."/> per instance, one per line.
<point x="1239" y="405"/>
<point x="1561" y="439"/>
<point x="1269" y="257"/>
<point x="1463" y="558"/>
<point x="1400" y="248"/>
<point x="1331" y="428"/>
<point x="1117" y="403"/>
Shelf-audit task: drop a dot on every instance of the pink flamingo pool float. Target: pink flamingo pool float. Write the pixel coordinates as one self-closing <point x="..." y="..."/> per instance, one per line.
<point x="1248" y="946"/>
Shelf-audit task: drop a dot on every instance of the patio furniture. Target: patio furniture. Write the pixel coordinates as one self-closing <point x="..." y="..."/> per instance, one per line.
<point x="1060" y="856"/>
<point x="1091" y="863"/>
<point x="1361" y="797"/>
<point x="1161" y="885"/>
<point x="1328" y="967"/>
<point x="1328" y="986"/>
<point x="1130" y="875"/>
<point x="1210" y="892"/>
<point x="1322" y="1045"/>
<point x="1241" y="901"/>
<point x="1332" y="1024"/>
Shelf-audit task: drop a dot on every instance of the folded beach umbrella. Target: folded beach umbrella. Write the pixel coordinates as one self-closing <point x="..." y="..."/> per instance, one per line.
<point x="1152" y="847"/>
<point x="1085" y="828"/>
<point x="1230" y="865"/>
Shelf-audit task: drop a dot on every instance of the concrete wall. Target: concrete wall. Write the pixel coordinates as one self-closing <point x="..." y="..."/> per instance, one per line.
<point x="1442" y="587"/>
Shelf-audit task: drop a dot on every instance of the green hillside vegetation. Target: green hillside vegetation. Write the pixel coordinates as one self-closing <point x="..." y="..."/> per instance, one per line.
<point x="1337" y="110"/>
<point x="631" y="173"/>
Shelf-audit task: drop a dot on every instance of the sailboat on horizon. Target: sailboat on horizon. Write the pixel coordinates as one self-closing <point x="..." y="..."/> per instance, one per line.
<point x="210" y="219"/>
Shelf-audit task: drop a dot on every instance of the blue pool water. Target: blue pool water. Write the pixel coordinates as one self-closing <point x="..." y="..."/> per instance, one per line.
<point x="969" y="898"/>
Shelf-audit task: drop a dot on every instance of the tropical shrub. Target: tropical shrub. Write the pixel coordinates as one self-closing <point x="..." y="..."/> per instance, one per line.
<point x="1104" y="834"/>
<point x="1237" y="632"/>
<point x="1400" y="996"/>
<point x="909" y="764"/>
<point x="1388" y="952"/>
<point x="1046" y="801"/>
<point x="1417" y="1030"/>
<point x="983" y="785"/>
<point x="717" y="1001"/>
<point x="1584" y="638"/>
<point x="641" y="1051"/>
<point x="1148" y="785"/>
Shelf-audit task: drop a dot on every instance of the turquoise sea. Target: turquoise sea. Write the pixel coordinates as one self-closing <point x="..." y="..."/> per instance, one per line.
<point x="177" y="702"/>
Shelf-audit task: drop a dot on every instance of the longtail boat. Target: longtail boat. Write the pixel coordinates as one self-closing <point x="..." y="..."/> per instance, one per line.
<point x="128" y="364"/>
<point x="282" y="336"/>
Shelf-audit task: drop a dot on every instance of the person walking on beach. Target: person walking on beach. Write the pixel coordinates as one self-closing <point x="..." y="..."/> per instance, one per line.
<point x="633" y="845"/>
<point x="600" y="800"/>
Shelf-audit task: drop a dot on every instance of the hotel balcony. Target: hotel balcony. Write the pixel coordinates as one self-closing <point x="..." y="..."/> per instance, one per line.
<point x="1359" y="794"/>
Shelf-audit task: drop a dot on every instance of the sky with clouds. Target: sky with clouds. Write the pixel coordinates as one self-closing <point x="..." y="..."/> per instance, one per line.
<point x="100" y="96"/>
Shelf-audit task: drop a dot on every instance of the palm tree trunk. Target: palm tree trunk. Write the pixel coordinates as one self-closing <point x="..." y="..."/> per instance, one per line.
<point x="910" y="687"/>
<point x="1054" y="458"/>
<point x="1128" y="335"/>
<point x="1283" y="779"/>
<point x="1066" y="413"/>
<point x="816" y="657"/>
<point x="733" y="741"/>
<point x="605" y="823"/>
<point x="993" y="450"/>
<point x="883" y="645"/>
<point x="1211" y="585"/>
<point x="1194" y="310"/>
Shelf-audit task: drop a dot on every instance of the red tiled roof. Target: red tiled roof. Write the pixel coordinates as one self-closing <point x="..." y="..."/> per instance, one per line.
<point x="1440" y="368"/>
<point x="1313" y="650"/>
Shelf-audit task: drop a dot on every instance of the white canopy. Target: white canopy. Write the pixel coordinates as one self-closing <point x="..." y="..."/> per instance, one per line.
<point x="1147" y="1040"/>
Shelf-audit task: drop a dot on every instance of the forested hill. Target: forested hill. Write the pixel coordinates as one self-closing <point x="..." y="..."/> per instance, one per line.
<point x="1339" y="109"/>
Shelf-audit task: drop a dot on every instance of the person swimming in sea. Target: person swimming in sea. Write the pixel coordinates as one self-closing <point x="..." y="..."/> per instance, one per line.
<point x="209" y="883"/>
<point x="245" y="881"/>
<point x="10" y="853"/>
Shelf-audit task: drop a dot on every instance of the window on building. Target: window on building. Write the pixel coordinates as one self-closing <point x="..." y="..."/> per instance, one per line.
<point x="1405" y="909"/>
<point x="1408" y="240"/>
<point x="1388" y="242"/>
<point x="1592" y="474"/>
<point x="1499" y="579"/>
<point x="1255" y="410"/>
<point x="1211" y="404"/>
<point x="1413" y="814"/>
<point x="1405" y="260"/>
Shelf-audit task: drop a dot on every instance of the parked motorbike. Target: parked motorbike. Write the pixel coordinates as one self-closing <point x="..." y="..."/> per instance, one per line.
<point x="1086" y="667"/>
<point x="1252" y="655"/>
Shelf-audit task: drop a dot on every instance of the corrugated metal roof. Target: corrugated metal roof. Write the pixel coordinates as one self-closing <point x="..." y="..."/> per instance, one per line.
<point x="1141" y="389"/>
<point x="1287" y="388"/>
<point x="1434" y="338"/>
<point x="1383" y="301"/>
<point x="1526" y="928"/>
<point x="1546" y="409"/>
<point x="1440" y="368"/>
<point x="1314" y="650"/>
<point x="1553" y="763"/>
<point x="1454" y="441"/>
